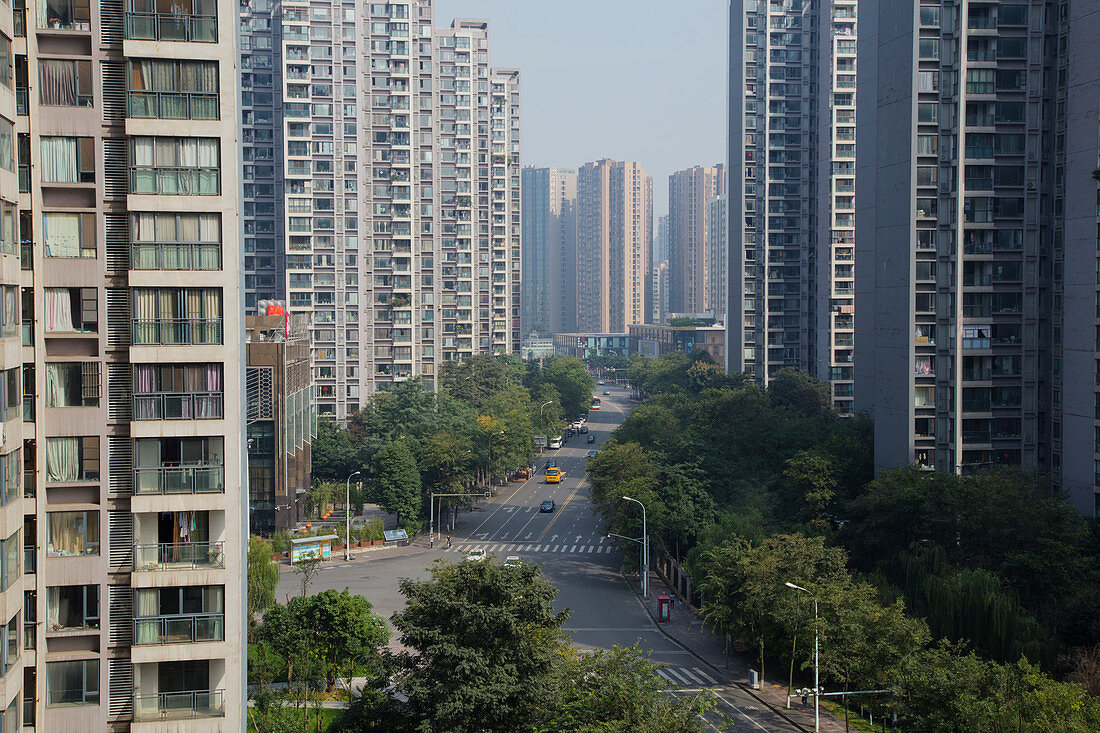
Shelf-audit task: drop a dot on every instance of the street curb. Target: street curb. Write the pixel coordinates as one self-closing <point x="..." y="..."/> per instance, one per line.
<point x="692" y="652"/>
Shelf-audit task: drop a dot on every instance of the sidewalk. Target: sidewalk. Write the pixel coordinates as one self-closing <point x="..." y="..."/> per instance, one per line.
<point x="686" y="628"/>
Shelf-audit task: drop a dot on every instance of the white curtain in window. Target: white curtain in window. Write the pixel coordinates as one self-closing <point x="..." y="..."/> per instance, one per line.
<point x="62" y="234"/>
<point x="143" y="148"/>
<point x="57" y="385"/>
<point x="199" y="76"/>
<point x="11" y="310"/>
<point x="58" y="80"/>
<point x="143" y="230"/>
<point x="59" y="160"/>
<point x="59" y="314"/>
<point x="207" y="151"/>
<point x="53" y="608"/>
<point x="146" y="605"/>
<point x="145" y="312"/>
<point x="62" y="459"/>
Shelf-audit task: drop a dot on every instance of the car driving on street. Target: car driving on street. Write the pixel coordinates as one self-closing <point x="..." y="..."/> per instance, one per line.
<point x="547" y="506"/>
<point x="553" y="475"/>
<point x="475" y="555"/>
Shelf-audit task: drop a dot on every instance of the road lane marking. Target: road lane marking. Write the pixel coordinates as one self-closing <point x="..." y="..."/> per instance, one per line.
<point x="555" y="548"/>
<point x="739" y="710"/>
<point x="565" y="504"/>
<point x="704" y="675"/>
<point x="591" y="548"/>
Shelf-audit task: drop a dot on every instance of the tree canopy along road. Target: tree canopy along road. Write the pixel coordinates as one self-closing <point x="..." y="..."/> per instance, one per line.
<point x="576" y="556"/>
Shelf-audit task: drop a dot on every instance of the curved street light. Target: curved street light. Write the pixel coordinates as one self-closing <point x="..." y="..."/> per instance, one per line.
<point x="817" y="687"/>
<point x="347" y="509"/>
<point x="645" y="550"/>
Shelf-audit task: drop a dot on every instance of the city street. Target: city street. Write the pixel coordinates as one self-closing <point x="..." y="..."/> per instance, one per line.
<point x="575" y="555"/>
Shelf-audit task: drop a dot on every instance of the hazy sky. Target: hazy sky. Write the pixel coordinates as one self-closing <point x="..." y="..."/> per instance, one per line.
<point x="624" y="79"/>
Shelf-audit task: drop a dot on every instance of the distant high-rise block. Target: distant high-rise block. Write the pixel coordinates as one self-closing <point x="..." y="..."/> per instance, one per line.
<point x="549" y="249"/>
<point x="791" y="190"/>
<point x="399" y="191"/>
<point x="614" y="220"/>
<point x="716" y="257"/>
<point x="688" y="193"/>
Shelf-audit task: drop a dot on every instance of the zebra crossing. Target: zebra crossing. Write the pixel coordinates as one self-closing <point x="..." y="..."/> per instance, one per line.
<point x="686" y="676"/>
<point x="570" y="548"/>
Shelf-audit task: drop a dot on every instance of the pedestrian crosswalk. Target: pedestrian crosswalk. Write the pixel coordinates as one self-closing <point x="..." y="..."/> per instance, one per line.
<point x="505" y="548"/>
<point x="687" y="676"/>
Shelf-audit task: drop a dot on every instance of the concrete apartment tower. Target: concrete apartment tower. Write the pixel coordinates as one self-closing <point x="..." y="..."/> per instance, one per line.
<point x="716" y="256"/>
<point x="549" y="249"/>
<point x="614" y="221"/>
<point x="659" y="271"/>
<point x="401" y="192"/>
<point x="976" y="237"/>
<point x="791" y="212"/>
<point x="688" y="193"/>
<point x="123" y="500"/>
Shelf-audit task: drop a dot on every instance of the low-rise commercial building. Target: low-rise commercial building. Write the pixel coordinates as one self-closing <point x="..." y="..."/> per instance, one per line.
<point x="587" y="345"/>
<point x="652" y="341"/>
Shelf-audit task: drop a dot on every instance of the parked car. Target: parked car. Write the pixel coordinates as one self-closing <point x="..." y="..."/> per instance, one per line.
<point x="550" y="464"/>
<point x="593" y="453"/>
<point x="512" y="561"/>
<point x="555" y="443"/>
<point x="591" y="438"/>
<point x="475" y="555"/>
<point x="584" y="429"/>
<point x="547" y="506"/>
<point x="606" y="392"/>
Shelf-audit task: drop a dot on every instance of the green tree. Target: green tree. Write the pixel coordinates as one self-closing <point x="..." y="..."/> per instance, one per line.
<point x="333" y="455"/>
<point x="570" y="378"/>
<point x="798" y="391"/>
<point x="482" y="638"/>
<point x="263" y="577"/>
<point x="811" y="485"/>
<point x="397" y="480"/>
<point x="616" y="690"/>
<point x="336" y="634"/>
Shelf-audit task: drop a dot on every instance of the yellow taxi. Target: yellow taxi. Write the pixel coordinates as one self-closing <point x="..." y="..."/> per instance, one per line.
<point x="553" y="475"/>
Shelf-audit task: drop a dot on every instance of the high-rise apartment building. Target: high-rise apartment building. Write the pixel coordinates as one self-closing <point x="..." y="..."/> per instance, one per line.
<point x="549" y="249"/>
<point x="792" y="178"/>
<point x="395" y="196"/>
<point x="659" y="272"/>
<point x="716" y="257"/>
<point x="614" y="224"/>
<point x="122" y="449"/>
<point x="688" y="193"/>
<point x="976" y="237"/>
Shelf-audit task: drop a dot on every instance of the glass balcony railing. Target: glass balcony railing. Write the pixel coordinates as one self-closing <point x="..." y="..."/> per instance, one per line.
<point x="173" y="331"/>
<point x="179" y="406"/>
<point x="172" y="27"/>
<point x="174" y="181"/>
<point x="178" y="556"/>
<point x="179" y="629"/>
<point x="179" y="705"/>
<point x="175" y="256"/>
<point x="200" y="479"/>
<point x="173" y="105"/>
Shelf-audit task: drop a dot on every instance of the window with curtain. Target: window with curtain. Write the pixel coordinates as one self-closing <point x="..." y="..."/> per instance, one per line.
<point x="71" y="459"/>
<point x="11" y="465"/>
<point x="177" y="391"/>
<point x="12" y="311"/>
<point x="69" y="234"/>
<point x="175" y="166"/>
<point x="171" y="89"/>
<point x="72" y="682"/>
<point x="67" y="159"/>
<point x="65" y="83"/>
<point x="5" y="61"/>
<point x="58" y="310"/>
<point x="179" y="614"/>
<point x="70" y="534"/>
<point x="72" y="607"/>
<point x="172" y="20"/>
<point x="72" y="384"/>
<point x="177" y="315"/>
<point x="176" y="241"/>
<point x="64" y="14"/>
<point x="7" y="145"/>
<point x="9" y="228"/>
<point x="11" y="563"/>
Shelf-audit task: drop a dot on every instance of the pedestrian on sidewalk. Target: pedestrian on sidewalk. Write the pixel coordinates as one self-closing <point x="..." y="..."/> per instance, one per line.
<point x="448" y="542"/>
<point x="431" y="541"/>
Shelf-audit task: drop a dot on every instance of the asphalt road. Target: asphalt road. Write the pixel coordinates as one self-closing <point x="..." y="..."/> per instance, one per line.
<point x="575" y="555"/>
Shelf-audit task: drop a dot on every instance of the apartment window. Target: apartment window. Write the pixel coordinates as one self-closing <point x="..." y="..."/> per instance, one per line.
<point x="980" y="81"/>
<point x="5" y="61"/>
<point x="68" y="160"/>
<point x="72" y="607"/>
<point x="178" y="90"/>
<point x="71" y="459"/>
<point x="11" y="560"/>
<point x="69" y="235"/>
<point x="70" y="310"/>
<point x="177" y="315"/>
<point x="10" y="647"/>
<point x="7" y="145"/>
<point x="178" y="391"/>
<point x="65" y="83"/>
<point x="175" y="166"/>
<point x="11" y="468"/>
<point x="72" y="384"/>
<point x="72" y="534"/>
<point x="179" y="615"/>
<point x="69" y="15"/>
<point x="172" y="20"/>
<point x="176" y="241"/>
<point x="73" y="682"/>
<point x="179" y="465"/>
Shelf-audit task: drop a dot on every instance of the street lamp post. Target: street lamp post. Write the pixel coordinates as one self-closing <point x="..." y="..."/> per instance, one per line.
<point x="347" y="509"/>
<point x="645" y="550"/>
<point x="817" y="686"/>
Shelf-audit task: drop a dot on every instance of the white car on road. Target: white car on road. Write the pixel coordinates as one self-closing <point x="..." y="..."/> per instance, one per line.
<point x="475" y="555"/>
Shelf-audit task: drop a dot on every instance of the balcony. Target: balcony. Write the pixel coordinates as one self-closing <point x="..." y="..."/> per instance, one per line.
<point x="179" y="406"/>
<point x="196" y="479"/>
<point x="172" y="181"/>
<point x="172" y="105"/>
<point x="179" y="705"/>
<point x="172" y="27"/>
<point x="178" y="556"/>
<point x="177" y="331"/>
<point x="179" y="629"/>
<point x="175" y="256"/>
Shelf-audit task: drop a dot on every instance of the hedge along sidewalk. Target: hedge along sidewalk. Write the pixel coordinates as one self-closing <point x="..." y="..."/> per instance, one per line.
<point x="686" y="628"/>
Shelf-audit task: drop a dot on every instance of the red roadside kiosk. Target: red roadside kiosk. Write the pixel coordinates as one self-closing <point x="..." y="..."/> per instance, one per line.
<point x="664" y="609"/>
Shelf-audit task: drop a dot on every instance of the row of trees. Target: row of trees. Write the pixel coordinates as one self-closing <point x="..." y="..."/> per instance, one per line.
<point x="753" y="488"/>
<point x="410" y="441"/>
